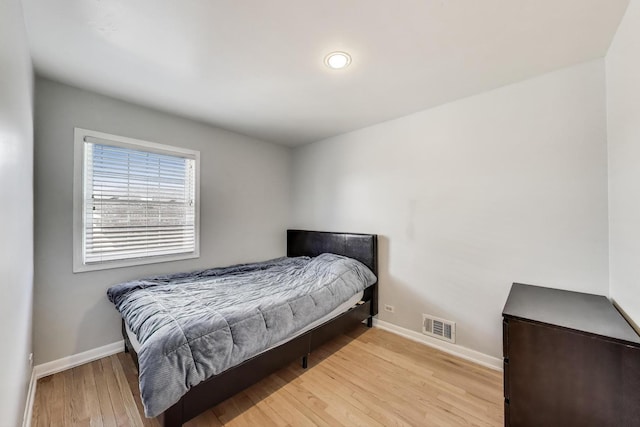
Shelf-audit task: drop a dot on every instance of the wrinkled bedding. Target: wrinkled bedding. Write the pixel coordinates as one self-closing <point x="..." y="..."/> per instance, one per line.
<point x="192" y="326"/>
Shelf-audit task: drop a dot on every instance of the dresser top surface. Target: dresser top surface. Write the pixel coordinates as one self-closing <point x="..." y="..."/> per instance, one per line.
<point x="593" y="314"/>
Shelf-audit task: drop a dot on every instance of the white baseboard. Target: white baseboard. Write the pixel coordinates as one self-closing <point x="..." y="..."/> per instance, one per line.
<point x="74" y="360"/>
<point x="31" y="394"/>
<point x="456" y="350"/>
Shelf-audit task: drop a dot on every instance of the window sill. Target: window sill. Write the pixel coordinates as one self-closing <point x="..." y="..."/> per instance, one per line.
<point x="79" y="267"/>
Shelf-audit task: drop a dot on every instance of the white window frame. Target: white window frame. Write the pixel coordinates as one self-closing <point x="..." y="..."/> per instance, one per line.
<point x="78" y="198"/>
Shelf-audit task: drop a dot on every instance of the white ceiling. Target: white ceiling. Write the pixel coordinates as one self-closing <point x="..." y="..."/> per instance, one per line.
<point x="255" y="66"/>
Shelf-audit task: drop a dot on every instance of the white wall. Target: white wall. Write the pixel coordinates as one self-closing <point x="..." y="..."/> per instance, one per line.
<point x="16" y="215"/>
<point x="509" y="185"/>
<point x="623" y="115"/>
<point x="244" y="209"/>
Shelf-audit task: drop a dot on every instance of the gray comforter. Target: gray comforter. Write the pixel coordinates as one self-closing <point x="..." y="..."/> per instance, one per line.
<point x="192" y="326"/>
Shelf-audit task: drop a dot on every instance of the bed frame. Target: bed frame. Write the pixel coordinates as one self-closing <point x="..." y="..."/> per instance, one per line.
<point x="363" y="247"/>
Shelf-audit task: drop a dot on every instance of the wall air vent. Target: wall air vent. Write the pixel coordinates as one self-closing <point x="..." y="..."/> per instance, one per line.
<point x="439" y="328"/>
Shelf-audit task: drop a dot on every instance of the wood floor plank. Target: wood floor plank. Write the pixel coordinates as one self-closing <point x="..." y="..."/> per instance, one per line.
<point x="58" y="404"/>
<point x="43" y="402"/>
<point x="79" y="410"/>
<point x="91" y="395"/>
<point x="131" y="373"/>
<point x="66" y="382"/>
<point x="367" y="377"/>
<point x="119" y="410"/>
<point x="104" y="400"/>
<point x="133" y="416"/>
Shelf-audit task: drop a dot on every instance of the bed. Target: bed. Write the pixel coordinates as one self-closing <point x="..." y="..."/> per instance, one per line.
<point x="355" y="310"/>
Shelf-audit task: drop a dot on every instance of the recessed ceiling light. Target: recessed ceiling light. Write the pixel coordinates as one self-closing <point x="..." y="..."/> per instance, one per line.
<point x="337" y="60"/>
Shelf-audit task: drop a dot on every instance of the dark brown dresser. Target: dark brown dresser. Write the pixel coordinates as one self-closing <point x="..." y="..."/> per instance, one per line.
<point x="570" y="359"/>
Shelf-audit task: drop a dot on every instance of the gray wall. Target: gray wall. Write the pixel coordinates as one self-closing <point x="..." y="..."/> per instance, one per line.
<point x="623" y="114"/>
<point x="509" y="185"/>
<point x="16" y="215"/>
<point x="244" y="209"/>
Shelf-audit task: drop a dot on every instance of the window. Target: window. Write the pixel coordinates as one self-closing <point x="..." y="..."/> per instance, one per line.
<point x="135" y="202"/>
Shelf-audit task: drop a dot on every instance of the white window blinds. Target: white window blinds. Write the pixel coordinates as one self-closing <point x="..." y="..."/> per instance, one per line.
<point x="137" y="203"/>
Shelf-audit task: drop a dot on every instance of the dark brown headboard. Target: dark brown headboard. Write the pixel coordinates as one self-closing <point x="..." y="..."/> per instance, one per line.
<point x="363" y="247"/>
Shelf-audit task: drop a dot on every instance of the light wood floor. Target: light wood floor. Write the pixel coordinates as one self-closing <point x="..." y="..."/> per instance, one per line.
<point x="367" y="378"/>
